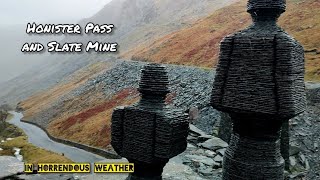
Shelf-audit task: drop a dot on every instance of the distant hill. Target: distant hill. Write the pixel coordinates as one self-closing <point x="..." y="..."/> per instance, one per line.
<point x="12" y="61"/>
<point x="198" y="45"/>
<point x="141" y="21"/>
<point x="137" y="22"/>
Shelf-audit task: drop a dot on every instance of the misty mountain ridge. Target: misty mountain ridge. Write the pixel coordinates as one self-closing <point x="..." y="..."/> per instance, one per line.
<point x="136" y="21"/>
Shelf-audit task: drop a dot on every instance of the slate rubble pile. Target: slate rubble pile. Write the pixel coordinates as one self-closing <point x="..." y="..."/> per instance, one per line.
<point x="192" y="87"/>
<point x="205" y="152"/>
<point x="189" y="87"/>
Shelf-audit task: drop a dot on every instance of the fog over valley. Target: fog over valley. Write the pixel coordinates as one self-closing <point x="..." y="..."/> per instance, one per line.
<point x="14" y="16"/>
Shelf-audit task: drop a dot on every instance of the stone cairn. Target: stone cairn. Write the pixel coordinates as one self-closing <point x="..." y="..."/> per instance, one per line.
<point x="149" y="133"/>
<point x="260" y="82"/>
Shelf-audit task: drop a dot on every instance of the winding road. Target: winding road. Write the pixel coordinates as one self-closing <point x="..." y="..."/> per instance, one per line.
<point x="38" y="137"/>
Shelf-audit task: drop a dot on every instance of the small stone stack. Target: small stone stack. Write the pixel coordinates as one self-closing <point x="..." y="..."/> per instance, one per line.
<point x="150" y="132"/>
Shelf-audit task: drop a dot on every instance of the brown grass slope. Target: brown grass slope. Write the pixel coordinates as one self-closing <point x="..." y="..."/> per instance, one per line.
<point x="91" y="125"/>
<point x="198" y="45"/>
<point x="84" y="118"/>
<point x="42" y="100"/>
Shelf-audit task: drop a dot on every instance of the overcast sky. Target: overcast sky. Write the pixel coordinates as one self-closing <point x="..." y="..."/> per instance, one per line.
<point x="14" y="16"/>
<point x="23" y="11"/>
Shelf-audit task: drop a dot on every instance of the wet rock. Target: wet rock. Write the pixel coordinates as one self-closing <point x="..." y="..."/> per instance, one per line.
<point x="297" y="175"/>
<point x="221" y="151"/>
<point x="210" y="153"/>
<point x="294" y="150"/>
<point x="218" y="158"/>
<point x="205" y="171"/>
<point x="204" y="138"/>
<point x="302" y="133"/>
<point x="17" y="154"/>
<point x="190" y="146"/>
<point x="293" y="123"/>
<point x="307" y="165"/>
<point x="46" y="176"/>
<point x="202" y="159"/>
<point x="199" y="152"/>
<point x="302" y="158"/>
<point x="293" y="161"/>
<point x="196" y="164"/>
<point x="216" y="165"/>
<point x="10" y="166"/>
<point x="197" y="131"/>
<point x="192" y="139"/>
<point x="214" y="144"/>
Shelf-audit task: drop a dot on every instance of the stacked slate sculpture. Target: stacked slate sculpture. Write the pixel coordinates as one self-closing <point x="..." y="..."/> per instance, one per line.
<point x="260" y="83"/>
<point x="149" y="133"/>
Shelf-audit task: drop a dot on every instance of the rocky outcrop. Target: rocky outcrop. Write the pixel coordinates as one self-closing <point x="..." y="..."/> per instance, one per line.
<point x="313" y="94"/>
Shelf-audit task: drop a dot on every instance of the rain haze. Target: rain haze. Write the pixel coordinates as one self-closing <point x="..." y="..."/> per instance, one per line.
<point x="14" y="12"/>
<point x="14" y="16"/>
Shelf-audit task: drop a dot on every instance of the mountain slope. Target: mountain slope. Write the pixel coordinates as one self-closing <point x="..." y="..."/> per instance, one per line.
<point x="199" y="44"/>
<point x="80" y="110"/>
<point x="136" y="21"/>
<point x="141" y="21"/>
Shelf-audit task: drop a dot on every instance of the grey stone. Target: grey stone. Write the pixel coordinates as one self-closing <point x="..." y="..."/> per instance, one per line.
<point x="293" y="161"/>
<point x="204" y="138"/>
<point x="199" y="152"/>
<point x="218" y="158"/>
<point x="205" y="171"/>
<point x="214" y="144"/>
<point x="190" y="146"/>
<point x="221" y="151"/>
<point x="10" y="166"/>
<point x="294" y="150"/>
<point x="200" y="158"/>
<point x="307" y="165"/>
<point x="302" y="158"/>
<point x="210" y="153"/>
<point x="192" y="139"/>
<point x="217" y="165"/>
<point x="297" y="175"/>
<point x="197" y="131"/>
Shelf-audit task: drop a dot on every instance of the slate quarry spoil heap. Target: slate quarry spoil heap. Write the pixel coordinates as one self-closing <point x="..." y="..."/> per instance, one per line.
<point x="260" y="83"/>
<point x="149" y="133"/>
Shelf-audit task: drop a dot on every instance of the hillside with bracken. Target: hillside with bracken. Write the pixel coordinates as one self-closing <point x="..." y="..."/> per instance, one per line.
<point x="79" y="108"/>
<point x="198" y="45"/>
<point x="136" y="22"/>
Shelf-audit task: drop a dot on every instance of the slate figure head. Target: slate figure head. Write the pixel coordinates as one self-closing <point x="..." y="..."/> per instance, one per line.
<point x="266" y="9"/>
<point x="154" y="82"/>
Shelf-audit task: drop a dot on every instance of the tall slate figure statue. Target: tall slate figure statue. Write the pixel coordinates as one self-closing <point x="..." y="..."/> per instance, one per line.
<point x="149" y="133"/>
<point x="260" y="83"/>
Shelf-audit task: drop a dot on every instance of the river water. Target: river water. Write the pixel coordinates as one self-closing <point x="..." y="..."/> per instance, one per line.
<point x="38" y="137"/>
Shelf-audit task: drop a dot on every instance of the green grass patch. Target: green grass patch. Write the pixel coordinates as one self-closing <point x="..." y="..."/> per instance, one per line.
<point x="9" y="117"/>
<point x="9" y="131"/>
<point x="30" y="153"/>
